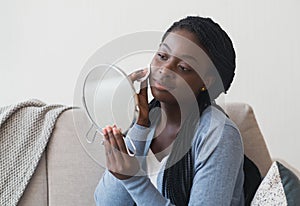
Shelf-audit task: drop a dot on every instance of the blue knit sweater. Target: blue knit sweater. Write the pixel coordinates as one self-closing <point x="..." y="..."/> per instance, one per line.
<point x="218" y="155"/>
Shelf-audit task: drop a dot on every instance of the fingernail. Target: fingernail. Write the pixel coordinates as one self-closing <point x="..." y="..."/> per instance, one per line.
<point x="109" y="129"/>
<point x="115" y="130"/>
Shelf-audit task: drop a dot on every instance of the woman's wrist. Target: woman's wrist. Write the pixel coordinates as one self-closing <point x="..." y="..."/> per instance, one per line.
<point x="144" y="122"/>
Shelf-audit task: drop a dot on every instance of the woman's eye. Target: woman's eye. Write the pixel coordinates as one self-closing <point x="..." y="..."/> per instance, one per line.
<point x="162" y="56"/>
<point x="182" y="68"/>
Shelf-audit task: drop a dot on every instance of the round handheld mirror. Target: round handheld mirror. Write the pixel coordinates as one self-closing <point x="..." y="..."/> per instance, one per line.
<point x="109" y="98"/>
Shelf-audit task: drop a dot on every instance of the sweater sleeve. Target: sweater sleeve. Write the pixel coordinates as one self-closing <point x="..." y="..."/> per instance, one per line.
<point x="144" y="192"/>
<point x="218" y="178"/>
<point x="110" y="191"/>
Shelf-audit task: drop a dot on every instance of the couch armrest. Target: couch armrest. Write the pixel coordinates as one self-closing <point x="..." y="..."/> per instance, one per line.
<point x="72" y="173"/>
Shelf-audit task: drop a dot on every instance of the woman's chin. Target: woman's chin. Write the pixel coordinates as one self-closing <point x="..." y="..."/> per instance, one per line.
<point x="167" y="97"/>
<point x="162" y="95"/>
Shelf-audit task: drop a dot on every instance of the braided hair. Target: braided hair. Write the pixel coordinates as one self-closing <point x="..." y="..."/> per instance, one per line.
<point x="178" y="175"/>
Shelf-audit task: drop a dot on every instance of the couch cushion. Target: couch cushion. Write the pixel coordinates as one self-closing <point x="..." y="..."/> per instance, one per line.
<point x="254" y="144"/>
<point x="280" y="187"/>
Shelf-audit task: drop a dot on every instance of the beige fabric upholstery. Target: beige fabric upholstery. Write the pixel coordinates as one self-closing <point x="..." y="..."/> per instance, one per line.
<point x="254" y="144"/>
<point x="71" y="175"/>
<point x="36" y="191"/>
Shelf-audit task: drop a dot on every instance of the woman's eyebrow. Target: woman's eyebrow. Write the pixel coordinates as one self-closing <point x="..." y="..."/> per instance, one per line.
<point x="166" y="46"/>
<point x="185" y="57"/>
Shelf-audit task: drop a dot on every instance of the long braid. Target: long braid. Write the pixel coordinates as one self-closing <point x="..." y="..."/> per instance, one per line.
<point x="178" y="175"/>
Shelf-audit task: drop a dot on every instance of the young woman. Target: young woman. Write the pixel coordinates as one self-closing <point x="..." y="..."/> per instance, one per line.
<point x="188" y="151"/>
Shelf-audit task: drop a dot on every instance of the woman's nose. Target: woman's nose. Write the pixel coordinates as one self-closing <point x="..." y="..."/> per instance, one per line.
<point x="167" y="70"/>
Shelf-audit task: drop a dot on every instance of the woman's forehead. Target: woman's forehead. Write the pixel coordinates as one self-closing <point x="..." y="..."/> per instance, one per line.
<point x="183" y="46"/>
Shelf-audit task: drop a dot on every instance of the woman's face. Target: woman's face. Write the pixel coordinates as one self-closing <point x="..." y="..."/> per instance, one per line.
<point x="179" y="68"/>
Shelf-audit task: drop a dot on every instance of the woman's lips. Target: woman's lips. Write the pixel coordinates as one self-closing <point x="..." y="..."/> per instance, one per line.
<point x="161" y="86"/>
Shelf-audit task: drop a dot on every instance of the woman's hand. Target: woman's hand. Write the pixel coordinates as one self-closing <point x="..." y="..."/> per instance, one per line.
<point x="118" y="161"/>
<point x="143" y="118"/>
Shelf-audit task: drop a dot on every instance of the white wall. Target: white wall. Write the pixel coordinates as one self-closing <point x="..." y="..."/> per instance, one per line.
<point x="45" y="43"/>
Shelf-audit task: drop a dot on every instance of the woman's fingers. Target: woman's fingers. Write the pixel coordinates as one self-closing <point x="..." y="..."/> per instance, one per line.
<point x="108" y="149"/>
<point x="116" y="154"/>
<point x="142" y="96"/>
<point x="111" y="138"/>
<point x="119" y="140"/>
<point x="118" y="161"/>
<point x="144" y="87"/>
<point x="114" y="158"/>
<point x="138" y="75"/>
<point x="143" y="118"/>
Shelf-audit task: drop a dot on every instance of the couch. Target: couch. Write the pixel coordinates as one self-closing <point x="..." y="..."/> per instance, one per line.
<point x="68" y="175"/>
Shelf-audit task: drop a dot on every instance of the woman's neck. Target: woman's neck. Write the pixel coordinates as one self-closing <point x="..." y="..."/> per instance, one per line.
<point x="173" y="114"/>
<point x="170" y="114"/>
<point x="172" y="118"/>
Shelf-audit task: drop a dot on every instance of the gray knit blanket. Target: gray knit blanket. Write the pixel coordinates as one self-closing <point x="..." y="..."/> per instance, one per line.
<point x="25" y="129"/>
